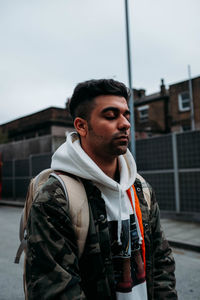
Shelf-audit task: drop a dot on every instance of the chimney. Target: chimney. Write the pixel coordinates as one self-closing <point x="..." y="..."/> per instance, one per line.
<point x="162" y="88"/>
<point x="139" y="93"/>
<point x="67" y="104"/>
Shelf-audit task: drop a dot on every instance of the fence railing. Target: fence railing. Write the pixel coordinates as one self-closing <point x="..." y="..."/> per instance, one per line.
<point x="170" y="163"/>
<point x="16" y="174"/>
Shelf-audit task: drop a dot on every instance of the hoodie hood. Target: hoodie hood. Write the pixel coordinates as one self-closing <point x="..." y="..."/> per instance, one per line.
<point x="71" y="158"/>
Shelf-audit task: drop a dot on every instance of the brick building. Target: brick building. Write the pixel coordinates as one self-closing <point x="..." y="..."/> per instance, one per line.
<point x="53" y="121"/>
<point x="179" y="106"/>
<point x="151" y="112"/>
<point x="40" y="132"/>
<point x="168" y="110"/>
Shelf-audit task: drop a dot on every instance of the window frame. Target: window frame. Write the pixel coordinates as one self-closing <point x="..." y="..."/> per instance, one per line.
<point x="143" y="118"/>
<point x="181" y="100"/>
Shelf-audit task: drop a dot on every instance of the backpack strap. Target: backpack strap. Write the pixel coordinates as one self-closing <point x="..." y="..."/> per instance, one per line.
<point x="34" y="186"/>
<point x="78" y="207"/>
<point x="22" y="245"/>
<point x="147" y="191"/>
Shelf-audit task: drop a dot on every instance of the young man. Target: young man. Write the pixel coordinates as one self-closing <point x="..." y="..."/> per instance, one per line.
<point x="126" y="255"/>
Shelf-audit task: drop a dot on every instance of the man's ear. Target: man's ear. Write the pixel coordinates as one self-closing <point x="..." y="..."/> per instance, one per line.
<point x="81" y="126"/>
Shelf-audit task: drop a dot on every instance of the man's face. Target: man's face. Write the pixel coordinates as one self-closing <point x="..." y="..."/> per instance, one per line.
<point x="108" y="127"/>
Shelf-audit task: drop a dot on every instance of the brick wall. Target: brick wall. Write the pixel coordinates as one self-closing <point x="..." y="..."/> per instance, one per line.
<point x="157" y="116"/>
<point x="180" y="118"/>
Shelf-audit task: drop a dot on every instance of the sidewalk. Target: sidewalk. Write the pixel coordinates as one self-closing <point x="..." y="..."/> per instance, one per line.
<point x="181" y="234"/>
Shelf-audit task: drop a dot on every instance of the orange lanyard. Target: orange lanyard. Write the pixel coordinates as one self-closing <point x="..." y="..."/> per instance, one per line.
<point x="139" y="217"/>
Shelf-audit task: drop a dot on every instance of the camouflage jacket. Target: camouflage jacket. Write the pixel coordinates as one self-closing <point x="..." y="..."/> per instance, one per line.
<point x="53" y="270"/>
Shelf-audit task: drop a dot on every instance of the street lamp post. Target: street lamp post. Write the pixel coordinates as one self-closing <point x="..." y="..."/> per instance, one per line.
<point x="131" y="101"/>
<point x="191" y="99"/>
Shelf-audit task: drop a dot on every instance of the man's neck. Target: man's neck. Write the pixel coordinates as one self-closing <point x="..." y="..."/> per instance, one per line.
<point x="110" y="169"/>
<point x="108" y="166"/>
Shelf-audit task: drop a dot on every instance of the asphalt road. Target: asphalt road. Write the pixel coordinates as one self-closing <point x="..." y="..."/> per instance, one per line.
<point x="11" y="286"/>
<point x="187" y="274"/>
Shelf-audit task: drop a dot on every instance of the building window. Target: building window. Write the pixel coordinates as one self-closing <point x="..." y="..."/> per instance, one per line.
<point x="184" y="101"/>
<point x="143" y="113"/>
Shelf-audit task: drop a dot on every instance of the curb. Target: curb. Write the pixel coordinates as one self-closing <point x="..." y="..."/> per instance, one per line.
<point x="185" y="246"/>
<point x="11" y="203"/>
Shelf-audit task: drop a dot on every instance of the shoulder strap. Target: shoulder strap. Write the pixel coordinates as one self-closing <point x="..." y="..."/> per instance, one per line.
<point x="34" y="186"/>
<point x="78" y="207"/>
<point x="22" y="245"/>
<point x="146" y="189"/>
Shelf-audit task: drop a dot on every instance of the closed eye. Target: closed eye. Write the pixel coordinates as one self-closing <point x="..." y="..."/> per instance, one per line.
<point x="110" y="117"/>
<point x="111" y="113"/>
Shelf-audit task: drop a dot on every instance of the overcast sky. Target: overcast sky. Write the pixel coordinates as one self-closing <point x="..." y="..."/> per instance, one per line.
<point x="48" y="46"/>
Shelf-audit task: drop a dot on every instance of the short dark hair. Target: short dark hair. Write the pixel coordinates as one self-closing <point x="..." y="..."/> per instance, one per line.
<point x="81" y="102"/>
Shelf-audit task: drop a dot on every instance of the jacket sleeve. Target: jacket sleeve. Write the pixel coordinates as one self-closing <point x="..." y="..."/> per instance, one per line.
<point x="52" y="270"/>
<point x="164" y="265"/>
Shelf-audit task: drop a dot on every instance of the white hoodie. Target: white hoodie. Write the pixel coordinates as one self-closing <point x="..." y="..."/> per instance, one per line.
<point x="71" y="158"/>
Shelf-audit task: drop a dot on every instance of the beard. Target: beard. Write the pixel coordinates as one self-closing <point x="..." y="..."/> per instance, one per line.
<point x="117" y="145"/>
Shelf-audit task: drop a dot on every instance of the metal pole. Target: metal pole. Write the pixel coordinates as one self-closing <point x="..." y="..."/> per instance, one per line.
<point x="191" y="99"/>
<point x="131" y="101"/>
<point x="13" y="180"/>
<point x="176" y="172"/>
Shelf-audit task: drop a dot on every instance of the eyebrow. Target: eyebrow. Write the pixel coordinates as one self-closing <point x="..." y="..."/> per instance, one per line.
<point x="114" y="109"/>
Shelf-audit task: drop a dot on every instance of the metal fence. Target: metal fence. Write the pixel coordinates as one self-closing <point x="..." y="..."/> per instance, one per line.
<point x="16" y="174"/>
<point x="170" y="163"/>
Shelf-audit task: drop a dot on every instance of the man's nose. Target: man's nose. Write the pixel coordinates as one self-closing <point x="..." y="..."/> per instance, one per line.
<point x="124" y="123"/>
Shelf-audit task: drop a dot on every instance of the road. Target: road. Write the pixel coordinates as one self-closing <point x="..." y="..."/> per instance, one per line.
<point x="11" y="286"/>
<point x="187" y="274"/>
